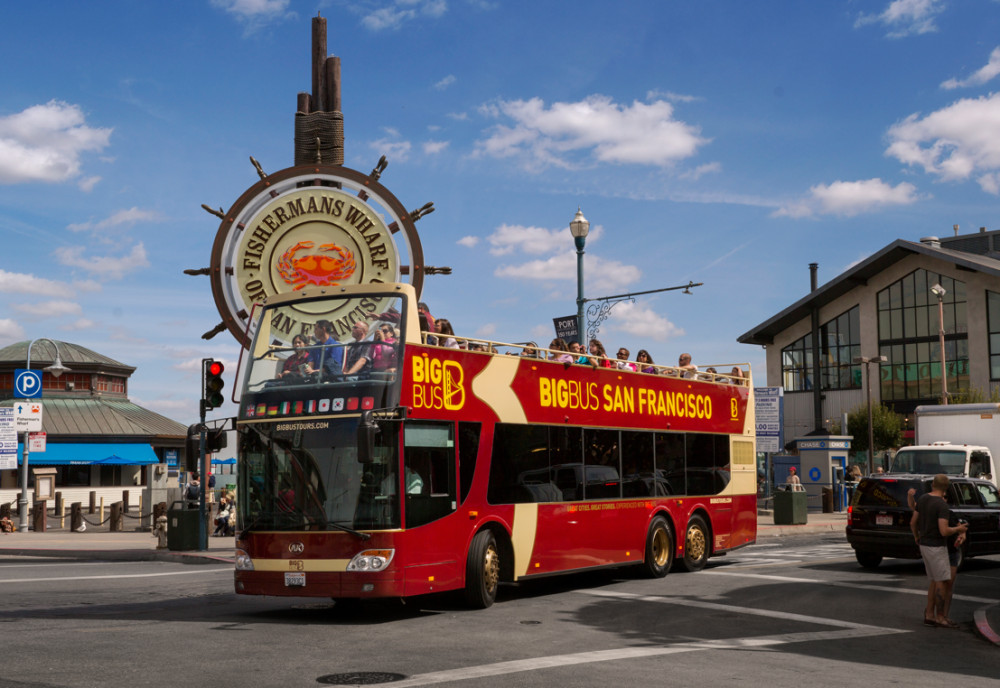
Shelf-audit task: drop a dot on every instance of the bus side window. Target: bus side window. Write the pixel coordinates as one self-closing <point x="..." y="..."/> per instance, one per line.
<point x="468" y="451"/>
<point x="429" y="452"/>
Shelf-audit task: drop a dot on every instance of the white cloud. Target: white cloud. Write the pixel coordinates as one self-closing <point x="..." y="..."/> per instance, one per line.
<point x="601" y="275"/>
<point x="396" y="151"/>
<point x="434" y="147"/>
<point x="80" y="324"/>
<point x="981" y="76"/>
<point x="19" y="283"/>
<point x="10" y="331"/>
<point x="458" y="116"/>
<point x="44" y="143"/>
<point x="640" y="133"/>
<point x="507" y="239"/>
<point x="394" y="15"/>
<point x="119" y="219"/>
<point x="639" y="320"/>
<point x="905" y="17"/>
<point x="850" y="198"/>
<point x="486" y="331"/>
<point x="445" y="82"/>
<point x="954" y="143"/>
<point x="700" y="170"/>
<point x="106" y="267"/>
<point x="49" y="309"/>
<point x="468" y="241"/>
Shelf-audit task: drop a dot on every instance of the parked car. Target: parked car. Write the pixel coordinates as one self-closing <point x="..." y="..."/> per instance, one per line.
<point x="878" y="521"/>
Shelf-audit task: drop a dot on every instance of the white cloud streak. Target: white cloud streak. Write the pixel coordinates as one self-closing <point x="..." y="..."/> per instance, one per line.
<point x="104" y="267"/>
<point x="905" y="18"/>
<point x="980" y="76"/>
<point x="850" y="198"/>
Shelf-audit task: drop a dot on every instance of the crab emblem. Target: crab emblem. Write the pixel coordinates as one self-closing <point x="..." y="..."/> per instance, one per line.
<point x="316" y="268"/>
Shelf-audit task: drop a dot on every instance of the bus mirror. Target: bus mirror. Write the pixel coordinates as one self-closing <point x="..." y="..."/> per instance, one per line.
<point x="367" y="430"/>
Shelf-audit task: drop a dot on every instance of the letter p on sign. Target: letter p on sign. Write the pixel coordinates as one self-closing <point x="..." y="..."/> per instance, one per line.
<point x="27" y="383"/>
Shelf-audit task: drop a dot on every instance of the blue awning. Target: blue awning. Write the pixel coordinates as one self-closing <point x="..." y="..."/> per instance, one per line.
<point x="86" y="454"/>
<point x="225" y="462"/>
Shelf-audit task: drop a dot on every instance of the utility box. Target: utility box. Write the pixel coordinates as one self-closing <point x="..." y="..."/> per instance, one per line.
<point x="182" y="527"/>
<point x="790" y="508"/>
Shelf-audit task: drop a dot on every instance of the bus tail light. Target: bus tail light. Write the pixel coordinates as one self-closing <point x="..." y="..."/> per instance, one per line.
<point x="243" y="561"/>
<point x="371" y="560"/>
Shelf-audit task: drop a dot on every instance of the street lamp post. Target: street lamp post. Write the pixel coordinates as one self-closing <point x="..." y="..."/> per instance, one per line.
<point x="56" y="369"/>
<point x="579" y="228"/>
<point x="867" y="361"/>
<point x="939" y="292"/>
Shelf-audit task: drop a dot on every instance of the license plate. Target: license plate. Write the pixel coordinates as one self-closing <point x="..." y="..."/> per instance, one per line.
<point x="880" y="520"/>
<point x="295" y="579"/>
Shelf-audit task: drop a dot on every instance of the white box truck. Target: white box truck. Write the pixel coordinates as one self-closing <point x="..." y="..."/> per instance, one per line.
<point x="958" y="439"/>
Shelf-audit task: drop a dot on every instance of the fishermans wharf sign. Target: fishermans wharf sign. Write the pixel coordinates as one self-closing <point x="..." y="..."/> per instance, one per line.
<point x="314" y="226"/>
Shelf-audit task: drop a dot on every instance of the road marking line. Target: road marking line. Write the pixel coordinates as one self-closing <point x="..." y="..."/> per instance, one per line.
<point x="851" y="585"/>
<point x="228" y="569"/>
<point x="846" y="630"/>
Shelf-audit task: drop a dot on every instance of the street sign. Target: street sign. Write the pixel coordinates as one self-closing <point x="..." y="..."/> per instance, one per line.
<point x="768" y="411"/>
<point x="8" y="440"/>
<point x="36" y="442"/>
<point x="28" y="416"/>
<point x="27" y="383"/>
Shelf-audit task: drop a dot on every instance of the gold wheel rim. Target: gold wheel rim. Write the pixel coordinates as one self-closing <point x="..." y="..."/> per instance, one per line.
<point x="695" y="543"/>
<point x="661" y="547"/>
<point x="491" y="569"/>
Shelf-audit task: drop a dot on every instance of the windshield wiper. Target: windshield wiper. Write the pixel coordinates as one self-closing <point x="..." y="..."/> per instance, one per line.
<point x="358" y="533"/>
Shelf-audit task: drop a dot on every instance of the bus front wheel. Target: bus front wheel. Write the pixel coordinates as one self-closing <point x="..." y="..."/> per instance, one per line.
<point x="659" y="548"/>
<point x="696" y="544"/>
<point x="482" y="571"/>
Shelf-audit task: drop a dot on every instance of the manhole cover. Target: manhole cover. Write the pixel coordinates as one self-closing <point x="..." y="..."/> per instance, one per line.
<point x="360" y="678"/>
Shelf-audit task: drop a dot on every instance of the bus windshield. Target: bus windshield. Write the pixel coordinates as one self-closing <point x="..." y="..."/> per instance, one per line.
<point x="300" y="475"/>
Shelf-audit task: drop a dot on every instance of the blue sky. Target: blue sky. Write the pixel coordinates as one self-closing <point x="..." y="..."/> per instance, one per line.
<point x="727" y="142"/>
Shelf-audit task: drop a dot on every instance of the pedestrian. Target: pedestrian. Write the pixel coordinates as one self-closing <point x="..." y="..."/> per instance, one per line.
<point x="794" y="484"/>
<point x="931" y="530"/>
<point x="955" y="543"/>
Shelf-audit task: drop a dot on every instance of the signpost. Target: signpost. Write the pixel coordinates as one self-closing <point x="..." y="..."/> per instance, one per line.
<point x="768" y="413"/>
<point x="8" y="440"/>
<point x="27" y="383"/>
<point x="28" y="416"/>
<point x="36" y="442"/>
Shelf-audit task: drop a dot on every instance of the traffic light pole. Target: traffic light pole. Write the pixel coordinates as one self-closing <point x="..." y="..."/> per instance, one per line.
<point x="203" y="464"/>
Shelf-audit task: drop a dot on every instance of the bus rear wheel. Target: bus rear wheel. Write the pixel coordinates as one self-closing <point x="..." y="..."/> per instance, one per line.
<point x="482" y="571"/>
<point x="659" y="548"/>
<point x="696" y="544"/>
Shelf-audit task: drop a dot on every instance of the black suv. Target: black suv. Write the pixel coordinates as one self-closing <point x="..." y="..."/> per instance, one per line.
<point x="878" y="522"/>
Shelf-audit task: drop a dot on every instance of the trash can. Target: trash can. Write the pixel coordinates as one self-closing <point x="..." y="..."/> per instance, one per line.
<point x="790" y="508"/>
<point x="182" y="527"/>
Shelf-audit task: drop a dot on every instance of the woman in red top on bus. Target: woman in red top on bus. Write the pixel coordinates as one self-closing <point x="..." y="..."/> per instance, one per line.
<point x="599" y="357"/>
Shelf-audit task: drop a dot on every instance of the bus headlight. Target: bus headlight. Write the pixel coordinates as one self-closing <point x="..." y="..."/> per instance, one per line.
<point x="243" y="561"/>
<point x="371" y="560"/>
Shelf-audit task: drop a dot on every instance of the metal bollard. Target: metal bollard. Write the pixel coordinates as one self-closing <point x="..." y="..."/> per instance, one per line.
<point x="125" y="501"/>
<point x="93" y="502"/>
<point x="160" y="532"/>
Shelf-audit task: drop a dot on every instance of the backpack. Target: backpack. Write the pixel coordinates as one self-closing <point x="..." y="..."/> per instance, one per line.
<point x="192" y="492"/>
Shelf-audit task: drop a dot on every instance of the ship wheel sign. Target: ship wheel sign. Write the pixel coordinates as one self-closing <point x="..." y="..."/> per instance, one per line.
<point x="308" y="227"/>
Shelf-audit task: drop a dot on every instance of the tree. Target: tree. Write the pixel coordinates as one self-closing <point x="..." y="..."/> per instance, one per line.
<point x="887" y="428"/>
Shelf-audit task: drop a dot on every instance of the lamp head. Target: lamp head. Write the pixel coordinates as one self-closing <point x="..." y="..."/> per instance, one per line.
<point x="579" y="227"/>
<point x="938" y="291"/>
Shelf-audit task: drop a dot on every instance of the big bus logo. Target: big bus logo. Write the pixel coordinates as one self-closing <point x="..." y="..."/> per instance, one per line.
<point x="437" y="384"/>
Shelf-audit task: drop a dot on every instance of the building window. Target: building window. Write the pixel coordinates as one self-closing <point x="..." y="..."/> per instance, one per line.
<point x="993" y="323"/>
<point x="908" y="324"/>
<point x="839" y="344"/>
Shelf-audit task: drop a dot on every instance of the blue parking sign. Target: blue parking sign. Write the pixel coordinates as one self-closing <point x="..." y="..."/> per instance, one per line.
<point x="27" y="384"/>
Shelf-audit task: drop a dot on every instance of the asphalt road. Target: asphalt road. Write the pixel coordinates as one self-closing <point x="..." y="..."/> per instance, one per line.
<point x="786" y="613"/>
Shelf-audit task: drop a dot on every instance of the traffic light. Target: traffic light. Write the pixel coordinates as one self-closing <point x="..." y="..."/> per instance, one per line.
<point x="212" y="383"/>
<point x="192" y="450"/>
<point x="215" y="440"/>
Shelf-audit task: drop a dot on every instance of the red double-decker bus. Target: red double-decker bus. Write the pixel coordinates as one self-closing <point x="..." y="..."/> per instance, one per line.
<point x="425" y="468"/>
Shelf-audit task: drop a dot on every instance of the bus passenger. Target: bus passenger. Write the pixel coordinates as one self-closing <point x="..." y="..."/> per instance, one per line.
<point x="447" y="338"/>
<point x="645" y="362"/>
<point x="327" y="357"/>
<point x="384" y="349"/>
<point x="295" y="366"/>
<point x="359" y="357"/>
<point x="688" y="369"/>
<point x="598" y="356"/>
<point x="623" y="362"/>
<point x="561" y="351"/>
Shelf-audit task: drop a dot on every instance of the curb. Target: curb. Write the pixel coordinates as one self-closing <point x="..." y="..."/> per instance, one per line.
<point x="121" y="555"/>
